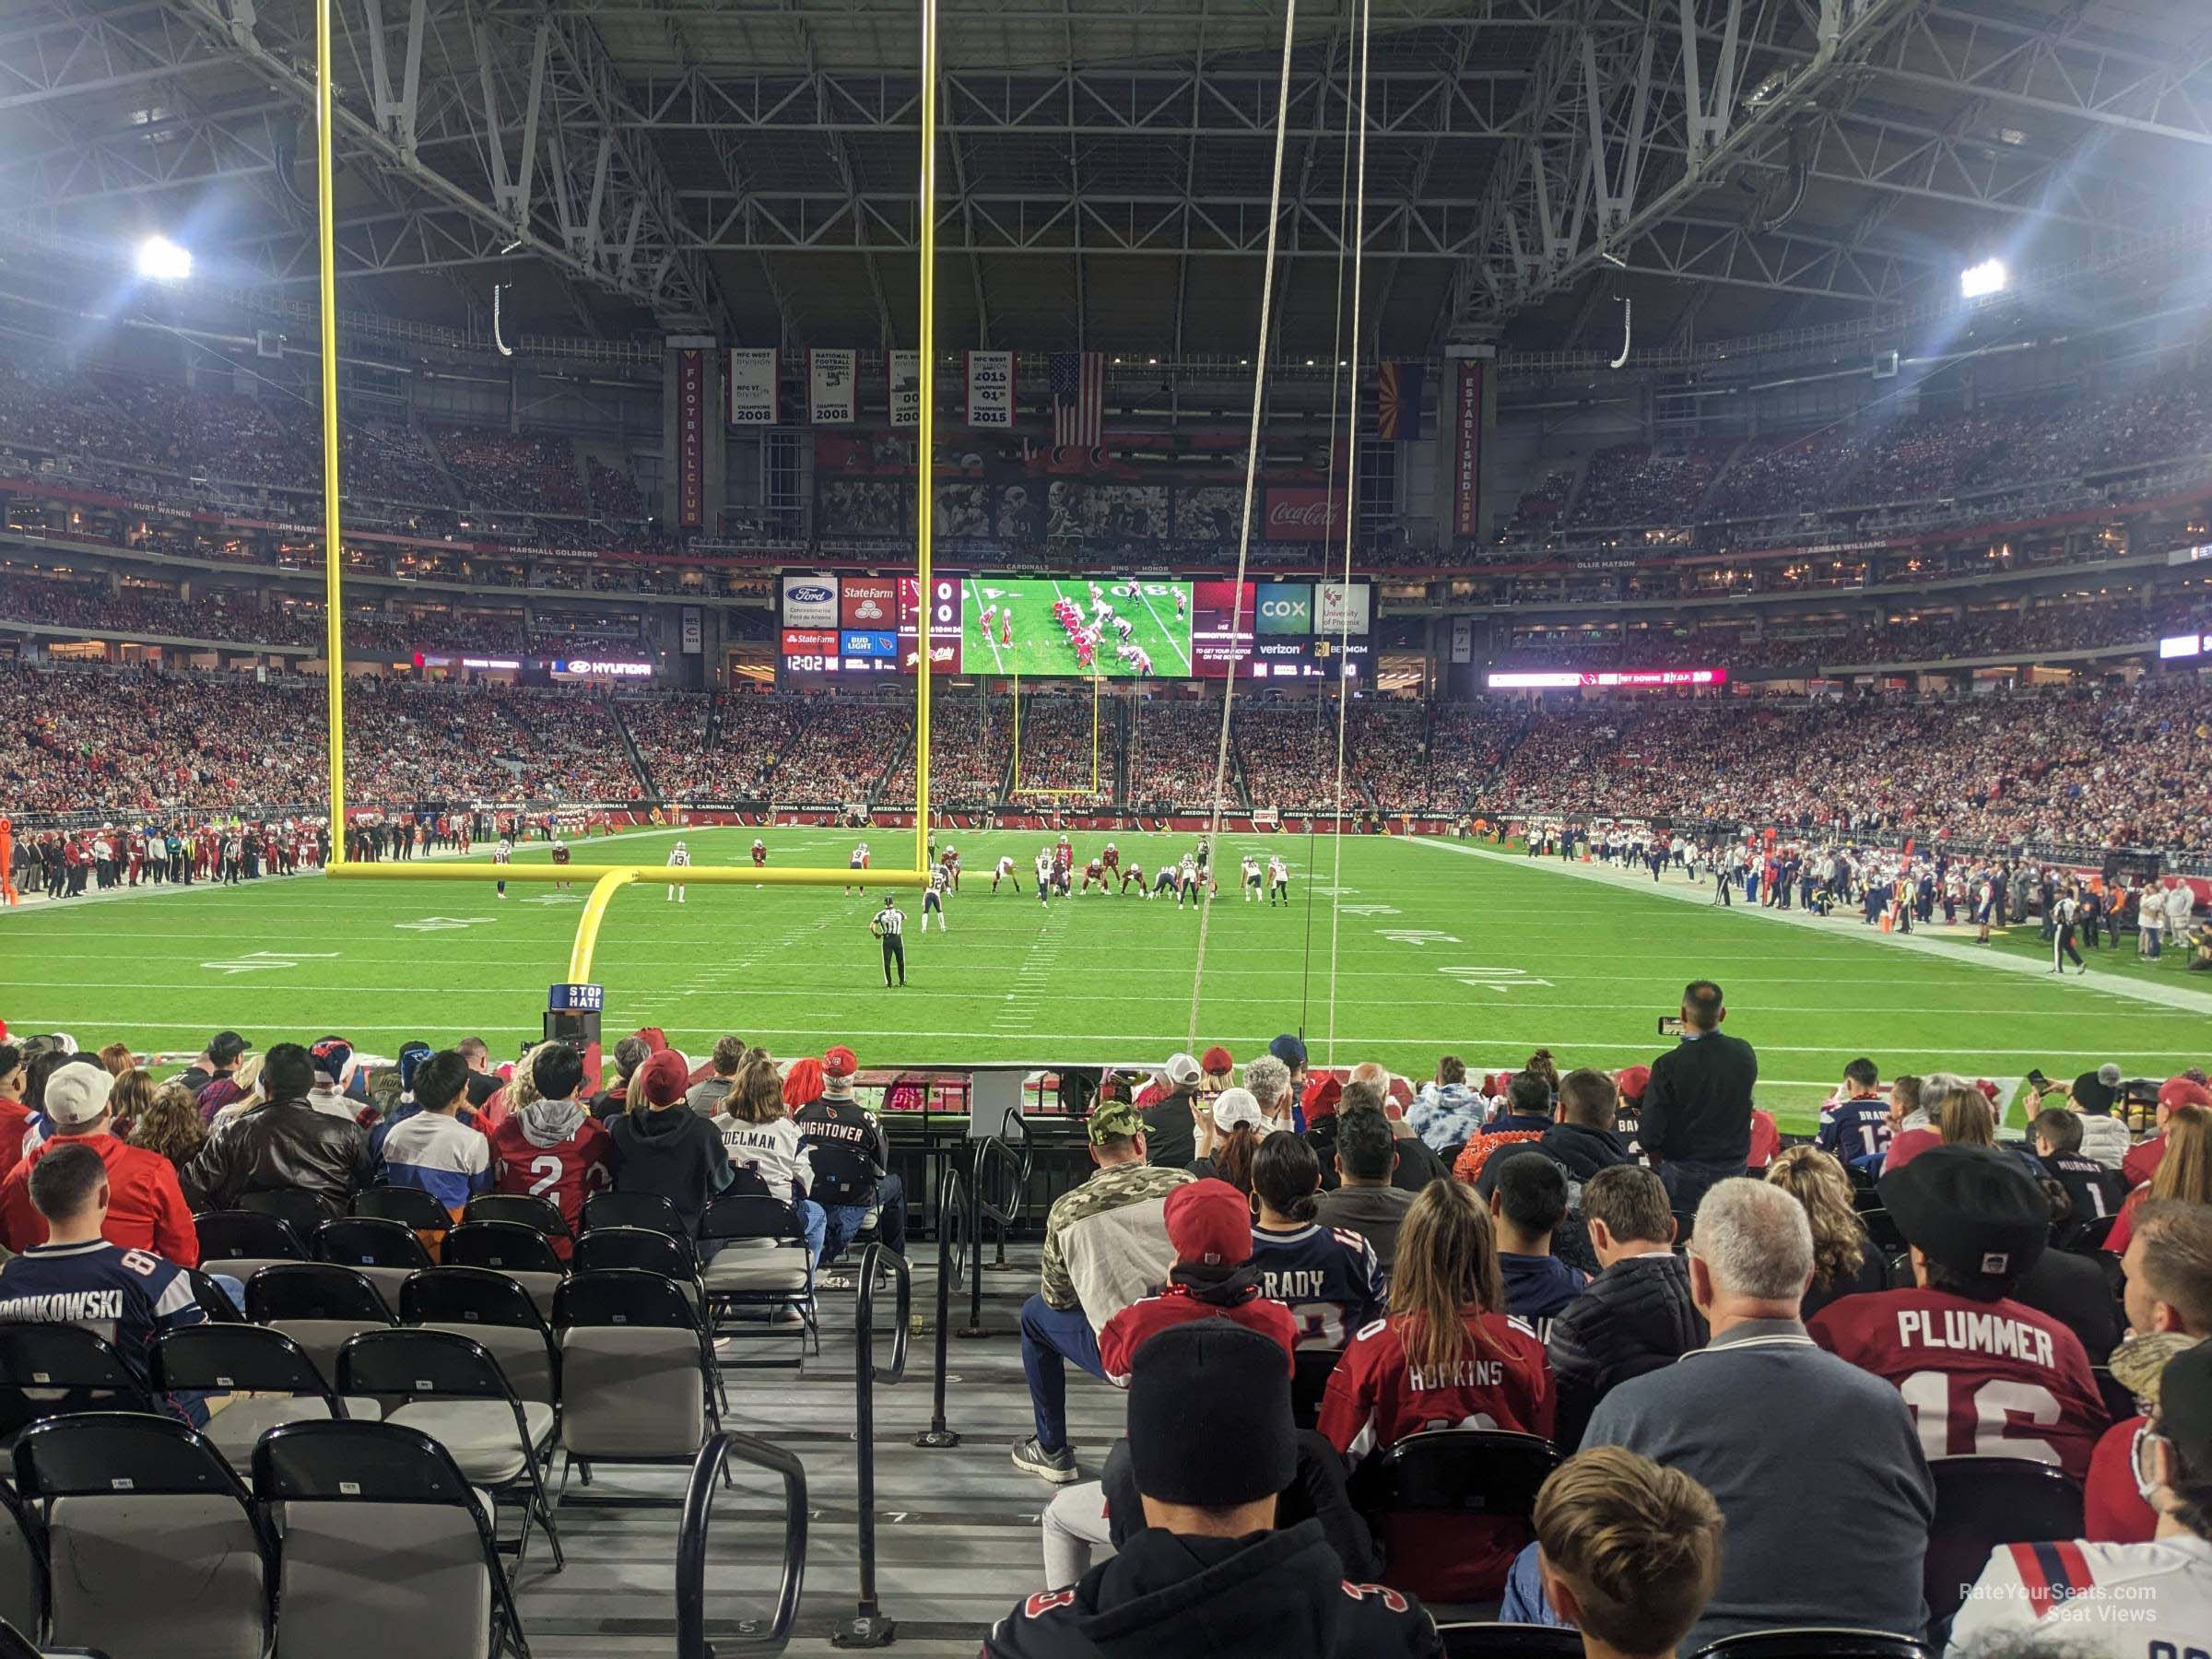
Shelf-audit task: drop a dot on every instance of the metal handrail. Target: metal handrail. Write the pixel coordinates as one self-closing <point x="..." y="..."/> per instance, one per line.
<point x="691" y="1547"/>
<point x="951" y="1201"/>
<point x="867" y="1627"/>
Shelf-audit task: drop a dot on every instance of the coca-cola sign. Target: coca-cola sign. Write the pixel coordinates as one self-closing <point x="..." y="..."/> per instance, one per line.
<point x="1304" y="514"/>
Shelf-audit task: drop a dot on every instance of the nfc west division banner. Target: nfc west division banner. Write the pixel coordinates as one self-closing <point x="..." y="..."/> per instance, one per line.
<point x="753" y="387"/>
<point x="832" y="387"/>
<point x="990" y="389"/>
<point x="902" y="387"/>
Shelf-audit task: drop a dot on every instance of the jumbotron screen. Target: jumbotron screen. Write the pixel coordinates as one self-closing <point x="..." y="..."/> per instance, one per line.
<point x="1131" y="628"/>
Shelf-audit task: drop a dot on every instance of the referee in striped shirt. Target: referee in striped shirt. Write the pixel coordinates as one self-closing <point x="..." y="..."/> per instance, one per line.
<point x="890" y="927"/>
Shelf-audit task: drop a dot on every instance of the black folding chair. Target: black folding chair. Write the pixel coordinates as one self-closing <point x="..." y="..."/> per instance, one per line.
<point x="319" y="1305"/>
<point x="52" y="1371"/>
<point x="1882" y="1230"/>
<point x="241" y="1242"/>
<point x="523" y="1253"/>
<point x="639" y="1378"/>
<point x="1981" y="1503"/>
<point x="2083" y="1237"/>
<point x="489" y="1308"/>
<point x="523" y="1210"/>
<point x="638" y="1247"/>
<point x="410" y="1207"/>
<point x="212" y="1299"/>
<point x="144" y="1489"/>
<point x="299" y="1209"/>
<point x="259" y="1361"/>
<point x="649" y="1210"/>
<point x="455" y="1391"/>
<point x="384" y="1251"/>
<point x="758" y="1261"/>
<point x="1477" y="1641"/>
<point x="1408" y="1489"/>
<point x="381" y="1532"/>
<point x="22" y="1567"/>
<point x="1815" y="1642"/>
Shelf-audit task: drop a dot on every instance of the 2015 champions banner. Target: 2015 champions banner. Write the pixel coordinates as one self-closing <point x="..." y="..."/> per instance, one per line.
<point x="990" y="389"/>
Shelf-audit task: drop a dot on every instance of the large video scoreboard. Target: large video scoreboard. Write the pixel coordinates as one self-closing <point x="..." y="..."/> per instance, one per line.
<point x="1120" y="627"/>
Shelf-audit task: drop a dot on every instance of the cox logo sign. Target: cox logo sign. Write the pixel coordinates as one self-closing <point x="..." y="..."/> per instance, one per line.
<point x="809" y="602"/>
<point x="1285" y="608"/>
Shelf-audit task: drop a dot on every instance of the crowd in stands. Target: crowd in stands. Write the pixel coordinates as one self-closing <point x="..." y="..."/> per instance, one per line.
<point x="1174" y="748"/>
<point x="1632" y="484"/>
<point x="838" y="754"/>
<point x="970" y="745"/>
<point x="614" y="493"/>
<point x="671" y="736"/>
<point x="1056" y="752"/>
<point x="519" y="471"/>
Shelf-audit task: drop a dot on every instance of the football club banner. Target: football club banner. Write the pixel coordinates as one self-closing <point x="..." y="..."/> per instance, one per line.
<point x="902" y="387"/>
<point x="1467" y="452"/>
<point x="1463" y="639"/>
<point x="832" y="387"/>
<point x="690" y="438"/>
<point x="990" y="389"/>
<point x="753" y="386"/>
<point x="1398" y="387"/>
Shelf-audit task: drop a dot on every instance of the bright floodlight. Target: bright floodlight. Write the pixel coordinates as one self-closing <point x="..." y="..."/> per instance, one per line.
<point x="1988" y="277"/>
<point x="160" y="260"/>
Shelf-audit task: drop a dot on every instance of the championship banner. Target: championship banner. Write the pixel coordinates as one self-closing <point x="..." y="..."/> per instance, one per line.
<point x="753" y="386"/>
<point x="1467" y="452"/>
<point x="990" y="389"/>
<point x="902" y="387"/>
<point x="1463" y="639"/>
<point x="692" y="621"/>
<point x="690" y="438"/>
<point x="832" y="387"/>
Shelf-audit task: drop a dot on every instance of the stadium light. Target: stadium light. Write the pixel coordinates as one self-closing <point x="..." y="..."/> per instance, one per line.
<point x="1988" y="277"/>
<point x="160" y="260"/>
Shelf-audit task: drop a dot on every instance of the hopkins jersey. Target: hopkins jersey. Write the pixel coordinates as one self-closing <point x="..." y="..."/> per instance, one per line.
<point x="1984" y="1378"/>
<point x="1856" y="1129"/>
<point x="847" y="1147"/>
<point x="1328" y="1279"/>
<point x="125" y="1297"/>
<point x="1375" y="1399"/>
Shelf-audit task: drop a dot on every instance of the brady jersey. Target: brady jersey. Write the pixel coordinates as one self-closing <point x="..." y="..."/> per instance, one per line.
<point x="1984" y="1378"/>
<point x="569" y="1171"/>
<point x="125" y="1297"/>
<point x="1856" y="1129"/>
<point x="1144" y="1319"/>
<point x="2154" y="1599"/>
<point x="1329" y="1279"/>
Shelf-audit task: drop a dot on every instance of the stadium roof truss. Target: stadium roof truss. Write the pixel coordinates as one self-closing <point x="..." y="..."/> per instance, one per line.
<point x="746" y="166"/>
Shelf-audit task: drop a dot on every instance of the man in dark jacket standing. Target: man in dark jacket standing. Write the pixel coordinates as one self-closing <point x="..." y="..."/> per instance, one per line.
<point x="1637" y="1315"/>
<point x="283" y="1144"/>
<point x="1697" y="1108"/>
<point x="1171" y="1134"/>
<point x="1212" y="1447"/>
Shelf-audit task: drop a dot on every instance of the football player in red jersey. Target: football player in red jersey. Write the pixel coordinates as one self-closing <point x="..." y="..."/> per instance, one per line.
<point x="553" y="1147"/>
<point x="1984" y="1375"/>
<point x="1447" y="1355"/>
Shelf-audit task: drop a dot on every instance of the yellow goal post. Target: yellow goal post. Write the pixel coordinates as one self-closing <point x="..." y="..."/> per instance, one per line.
<point x="608" y="879"/>
<point x="1016" y="789"/>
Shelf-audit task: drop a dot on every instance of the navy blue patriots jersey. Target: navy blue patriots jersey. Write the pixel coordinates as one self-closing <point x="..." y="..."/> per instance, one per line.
<point x="1856" y="1129"/>
<point x="127" y="1297"/>
<point x="1328" y="1279"/>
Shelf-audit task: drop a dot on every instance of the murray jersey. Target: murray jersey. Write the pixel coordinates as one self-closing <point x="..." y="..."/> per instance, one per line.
<point x="1328" y="1279"/>
<point x="2094" y="1189"/>
<point x="2151" y="1600"/>
<point x="1984" y="1378"/>
<point x="125" y="1297"/>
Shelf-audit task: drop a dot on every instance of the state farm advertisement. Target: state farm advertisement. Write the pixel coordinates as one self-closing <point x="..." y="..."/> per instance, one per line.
<point x="868" y="602"/>
<point x="1303" y="512"/>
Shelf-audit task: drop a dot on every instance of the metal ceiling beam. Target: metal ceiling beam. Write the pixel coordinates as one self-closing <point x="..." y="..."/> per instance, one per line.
<point x="841" y="159"/>
<point x="69" y="52"/>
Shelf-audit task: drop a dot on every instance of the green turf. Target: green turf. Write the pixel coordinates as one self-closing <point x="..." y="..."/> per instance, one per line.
<point x="1040" y="646"/>
<point x="1438" y="951"/>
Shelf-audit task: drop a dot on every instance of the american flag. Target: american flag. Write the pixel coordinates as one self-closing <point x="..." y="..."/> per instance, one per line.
<point x="1078" y="381"/>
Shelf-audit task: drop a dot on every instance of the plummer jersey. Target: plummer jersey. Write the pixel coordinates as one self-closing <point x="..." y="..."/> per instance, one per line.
<point x="1984" y="1378"/>
<point x="126" y="1296"/>
<point x="1328" y="1279"/>
<point x="2150" y="1599"/>
<point x="1146" y="1317"/>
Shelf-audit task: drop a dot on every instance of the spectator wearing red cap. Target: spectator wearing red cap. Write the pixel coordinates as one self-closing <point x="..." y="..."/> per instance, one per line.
<point x="1216" y="1066"/>
<point x="2142" y="1162"/>
<point x="1209" y="1226"/>
<point x="674" y="1154"/>
<point x="852" y="1162"/>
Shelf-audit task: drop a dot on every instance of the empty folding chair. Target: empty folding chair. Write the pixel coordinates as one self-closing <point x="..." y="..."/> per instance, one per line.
<point x="637" y="1370"/>
<point x="632" y="1209"/>
<point x="648" y="1251"/>
<point x="525" y="1209"/>
<point x="255" y="1361"/>
<point x="410" y="1207"/>
<point x="1466" y="1640"/>
<point x="22" y="1567"/>
<point x="50" y="1370"/>
<point x="491" y="1309"/>
<point x="759" y="1260"/>
<point x="1814" y="1641"/>
<point x="212" y="1298"/>
<point x="1981" y="1503"/>
<point x="319" y="1305"/>
<point x="384" y="1251"/>
<point x="385" y="1548"/>
<point x="454" y="1391"/>
<point x="242" y="1242"/>
<point x="523" y="1253"/>
<point x="152" y="1543"/>
<point x="295" y="1206"/>
<point x="1451" y="1507"/>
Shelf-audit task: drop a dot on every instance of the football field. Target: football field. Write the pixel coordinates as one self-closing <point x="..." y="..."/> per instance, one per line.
<point x="1438" y="949"/>
<point x="1040" y="646"/>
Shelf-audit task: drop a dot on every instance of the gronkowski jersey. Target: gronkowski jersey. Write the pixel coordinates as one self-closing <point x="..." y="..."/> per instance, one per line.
<point x="1141" y="1321"/>
<point x="2152" y="1599"/>
<point x="1856" y="1129"/>
<point x="1984" y="1378"/>
<point x="1328" y="1279"/>
<point x="568" y="1172"/>
<point x="126" y="1296"/>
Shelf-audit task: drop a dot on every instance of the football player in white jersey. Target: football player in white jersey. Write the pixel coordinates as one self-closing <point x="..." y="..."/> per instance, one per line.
<point x="679" y="857"/>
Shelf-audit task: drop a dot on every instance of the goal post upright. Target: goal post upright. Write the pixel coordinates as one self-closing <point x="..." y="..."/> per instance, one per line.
<point x="926" y="434"/>
<point x="326" y="262"/>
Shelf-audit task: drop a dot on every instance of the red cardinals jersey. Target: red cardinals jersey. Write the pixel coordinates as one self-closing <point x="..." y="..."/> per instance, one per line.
<point x="1375" y="1399"/>
<point x="1984" y="1378"/>
<point x="567" y="1172"/>
<point x="1145" y="1318"/>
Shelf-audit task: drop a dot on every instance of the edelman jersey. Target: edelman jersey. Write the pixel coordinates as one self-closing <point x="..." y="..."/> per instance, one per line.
<point x="1984" y="1378"/>
<point x="1328" y="1279"/>
<point x="1142" y="1320"/>
<point x="1856" y="1129"/>
<point x="568" y="1172"/>
<point x="126" y="1296"/>
<point x="2153" y="1599"/>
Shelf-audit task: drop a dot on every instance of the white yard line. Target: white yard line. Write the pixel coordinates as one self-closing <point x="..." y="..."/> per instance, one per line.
<point x="1699" y="893"/>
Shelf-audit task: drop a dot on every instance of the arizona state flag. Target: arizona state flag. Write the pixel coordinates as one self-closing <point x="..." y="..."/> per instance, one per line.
<point x="1398" y="400"/>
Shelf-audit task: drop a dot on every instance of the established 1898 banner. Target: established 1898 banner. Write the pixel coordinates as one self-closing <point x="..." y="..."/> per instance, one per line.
<point x="1467" y="453"/>
<point x="753" y="387"/>
<point x="990" y="389"/>
<point x="690" y="438"/>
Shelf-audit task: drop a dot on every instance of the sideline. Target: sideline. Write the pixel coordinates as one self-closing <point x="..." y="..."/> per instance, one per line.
<point x="1697" y="892"/>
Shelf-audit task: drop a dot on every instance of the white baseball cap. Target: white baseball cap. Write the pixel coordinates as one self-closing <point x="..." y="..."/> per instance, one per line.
<point x="1234" y="1106"/>
<point x="76" y="1095"/>
<point x="1182" y="1071"/>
